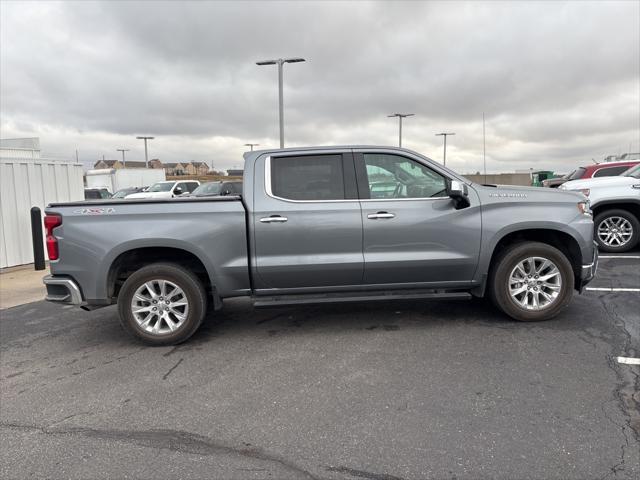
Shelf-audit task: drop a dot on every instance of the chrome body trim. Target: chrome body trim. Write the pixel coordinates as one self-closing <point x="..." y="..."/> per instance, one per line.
<point x="73" y="297"/>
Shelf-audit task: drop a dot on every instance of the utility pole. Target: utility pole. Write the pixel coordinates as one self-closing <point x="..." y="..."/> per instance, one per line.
<point x="251" y="145"/>
<point x="123" y="150"/>
<point x="280" y="62"/>
<point x="146" y="155"/>
<point x="444" y="157"/>
<point x="400" y="117"/>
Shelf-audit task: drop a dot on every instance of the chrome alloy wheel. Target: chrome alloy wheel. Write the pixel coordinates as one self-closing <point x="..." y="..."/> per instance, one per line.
<point x="535" y="283"/>
<point x="159" y="307"/>
<point x="615" y="231"/>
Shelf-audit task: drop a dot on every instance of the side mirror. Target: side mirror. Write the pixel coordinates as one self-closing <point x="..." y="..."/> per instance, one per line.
<point x="177" y="191"/>
<point x="458" y="191"/>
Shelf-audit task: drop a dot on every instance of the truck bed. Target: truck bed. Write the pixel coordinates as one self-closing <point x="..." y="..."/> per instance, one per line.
<point x="106" y="234"/>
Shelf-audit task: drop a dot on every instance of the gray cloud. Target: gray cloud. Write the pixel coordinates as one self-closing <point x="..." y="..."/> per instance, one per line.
<point x="559" y="82"/>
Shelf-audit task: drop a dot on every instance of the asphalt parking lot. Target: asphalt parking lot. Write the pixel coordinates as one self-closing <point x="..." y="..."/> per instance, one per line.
<point x="365" y="391"/>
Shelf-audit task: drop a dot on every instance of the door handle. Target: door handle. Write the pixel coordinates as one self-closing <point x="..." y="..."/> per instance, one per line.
<point x="274" y="219"/>
<point x="374" y="216"/>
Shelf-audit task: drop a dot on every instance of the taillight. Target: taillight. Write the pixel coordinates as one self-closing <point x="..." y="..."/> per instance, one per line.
<point x="51" y="222"/>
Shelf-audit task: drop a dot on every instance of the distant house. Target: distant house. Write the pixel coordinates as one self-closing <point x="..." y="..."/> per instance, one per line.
<point x="175" y="168"/>
<point x="100" y="164"/>
<point x="232" y="172"/>
<point x="178" y="168"/>
<point x="196" y="168"/>
<point x="200" y="168"/>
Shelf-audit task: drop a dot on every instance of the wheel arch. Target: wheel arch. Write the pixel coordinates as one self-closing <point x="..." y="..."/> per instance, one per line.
<point x="631" y="206"/>
<point x="125" y="262"/>
<point x="559" y="239"/>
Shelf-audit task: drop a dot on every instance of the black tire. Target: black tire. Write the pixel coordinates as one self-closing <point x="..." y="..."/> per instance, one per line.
<point x="629" y="217"/>
<point x="506" y="262"/>
<point x="179" y="276"/>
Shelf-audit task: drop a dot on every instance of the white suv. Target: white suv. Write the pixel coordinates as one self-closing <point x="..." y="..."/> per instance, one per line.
<point x="166" y="189"/>
<point x="615" y="202"/>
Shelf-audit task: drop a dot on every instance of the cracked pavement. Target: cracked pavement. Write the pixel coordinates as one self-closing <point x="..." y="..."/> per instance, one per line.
<point x="366" y="391"/>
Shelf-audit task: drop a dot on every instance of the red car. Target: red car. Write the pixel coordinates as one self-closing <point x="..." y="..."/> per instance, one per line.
<point x="608" y="169"/>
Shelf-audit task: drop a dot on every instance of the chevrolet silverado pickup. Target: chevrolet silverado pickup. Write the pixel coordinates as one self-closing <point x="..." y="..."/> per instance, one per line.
<point x="322" y="224"/>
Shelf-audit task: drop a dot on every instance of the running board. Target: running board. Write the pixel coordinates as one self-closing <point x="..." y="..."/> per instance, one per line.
<point x="304" y="299"/>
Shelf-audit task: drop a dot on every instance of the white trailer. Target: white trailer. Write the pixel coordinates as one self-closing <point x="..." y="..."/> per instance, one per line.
<point x="114" y="179"/>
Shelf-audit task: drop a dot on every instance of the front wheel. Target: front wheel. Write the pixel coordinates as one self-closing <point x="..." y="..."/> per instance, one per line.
<point x="162" y="304"/>
<point x="531" y="281"/>
<point x="616" y="230"/>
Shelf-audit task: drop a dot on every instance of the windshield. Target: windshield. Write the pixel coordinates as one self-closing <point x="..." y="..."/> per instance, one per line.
<point x="211" y="188"/>
<point x="632" y="172"/>
<point x="577" y="173"/>
<point x="161" y="187"/>
<point x="123" y="193"/>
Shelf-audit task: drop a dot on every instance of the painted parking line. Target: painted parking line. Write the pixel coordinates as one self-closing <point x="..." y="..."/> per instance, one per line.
<point x="620" y="256"/>
<point x="606" y="289"/>
<point x="629" y="360"/>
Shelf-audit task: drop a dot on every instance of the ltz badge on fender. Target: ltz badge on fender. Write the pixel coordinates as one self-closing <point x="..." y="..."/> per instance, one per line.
<point x="508" y="195"/>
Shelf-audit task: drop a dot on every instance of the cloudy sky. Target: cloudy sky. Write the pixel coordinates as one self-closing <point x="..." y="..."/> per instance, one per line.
<point x="559" y="82"/>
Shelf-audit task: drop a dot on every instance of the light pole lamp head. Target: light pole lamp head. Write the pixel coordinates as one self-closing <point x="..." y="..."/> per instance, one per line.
<point x="267" y="62"/>
<point x="145" y="138"/>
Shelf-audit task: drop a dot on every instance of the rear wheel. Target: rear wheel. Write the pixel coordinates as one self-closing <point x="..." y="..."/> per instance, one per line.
<point x="616" y="230"/>
<point x="531" y="281"/>
<point x="162" y="304"/>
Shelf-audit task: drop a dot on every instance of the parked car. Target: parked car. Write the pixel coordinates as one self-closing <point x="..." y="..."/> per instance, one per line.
<point x="609" y="169"/>
<point x="127" y="191"/>
<point x="167" y="189"/>
<point x="96" y="193"/>
<point x="307" y="230"/>
<point x="212" y="189"/>
<point x="615" y="202"/>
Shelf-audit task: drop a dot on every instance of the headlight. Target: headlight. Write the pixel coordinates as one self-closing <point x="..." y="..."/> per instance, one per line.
<point x="584" y="208"/>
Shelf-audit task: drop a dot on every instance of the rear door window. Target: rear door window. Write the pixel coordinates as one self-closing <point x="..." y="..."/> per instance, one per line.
<point x="308" y="177"/>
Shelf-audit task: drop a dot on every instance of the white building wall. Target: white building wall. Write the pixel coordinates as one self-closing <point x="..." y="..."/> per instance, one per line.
<point x="26" y="183"/>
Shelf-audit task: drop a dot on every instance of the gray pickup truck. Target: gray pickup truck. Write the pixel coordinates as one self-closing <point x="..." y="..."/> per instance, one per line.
<point x="316" y="225"/>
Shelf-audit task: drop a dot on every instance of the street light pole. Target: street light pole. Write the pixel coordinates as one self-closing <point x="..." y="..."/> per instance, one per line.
<point x="146" y="155"/>
<point x="280" y="62"/>
<point x="123" y="150"/>
<point x="400" y="117"/>
<point x="444" y="158"/>
<point x="251" y="145"/>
